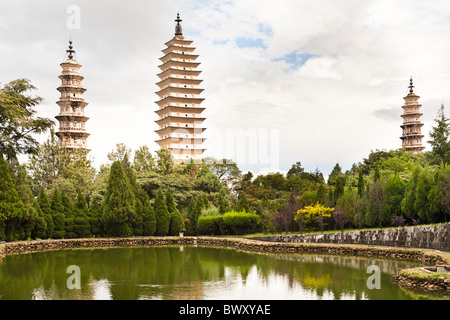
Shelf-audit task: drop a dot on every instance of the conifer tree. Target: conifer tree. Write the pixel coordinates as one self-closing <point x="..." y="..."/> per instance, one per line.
<point x="119" y="204"/>
<point x="176" y="219"/>
<point x="12" y="209"/>
<point x="95" y="218"/>
<point x="138" y="222"/>
<point x="194" y="212"/>
<point x="148" y="218"/>
<point x="58" y="215"/>
<point x="223" y="202"/>
<point x="162" y="214"/>
<point x="40" y="226"/>
<point x="22" y="185"/>
<point x="440" y="135"/>
<point x="242" y="204"/>
<point x="394" y="192"/>
<point x="408" y="201"/>
<point x="81" y="221"/>
<point x="44" y="204"/>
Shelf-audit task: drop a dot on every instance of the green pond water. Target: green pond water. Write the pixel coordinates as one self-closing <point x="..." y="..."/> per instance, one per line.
<point x="194" y="273"/>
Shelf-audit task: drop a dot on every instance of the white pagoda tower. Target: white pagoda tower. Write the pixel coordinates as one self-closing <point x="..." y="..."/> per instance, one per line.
<point x="180" y="114"/>
<point x="412" y="125"/>
<point x="72" y="120"/>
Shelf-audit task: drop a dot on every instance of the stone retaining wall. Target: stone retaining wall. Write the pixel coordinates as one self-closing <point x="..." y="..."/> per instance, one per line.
<point x="426" y="237"/>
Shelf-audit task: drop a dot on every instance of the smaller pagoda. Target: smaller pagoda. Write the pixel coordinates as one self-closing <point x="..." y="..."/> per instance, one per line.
<point x="412" y="125"/>
<point x="72" y="119"/>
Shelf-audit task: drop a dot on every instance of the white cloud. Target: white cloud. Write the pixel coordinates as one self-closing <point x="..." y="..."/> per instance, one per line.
<point x="336" y="107"/>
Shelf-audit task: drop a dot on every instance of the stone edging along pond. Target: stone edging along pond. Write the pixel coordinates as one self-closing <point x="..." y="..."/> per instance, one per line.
<point x="412" y="277"/>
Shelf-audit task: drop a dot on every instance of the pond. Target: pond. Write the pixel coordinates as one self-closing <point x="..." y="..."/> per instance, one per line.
<point x="195" y="273"/>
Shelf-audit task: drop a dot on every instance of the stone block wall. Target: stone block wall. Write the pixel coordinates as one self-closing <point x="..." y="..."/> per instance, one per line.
<point x="423" y="237"/>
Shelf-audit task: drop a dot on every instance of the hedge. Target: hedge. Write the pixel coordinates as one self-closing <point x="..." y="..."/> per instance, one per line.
<point x="241" y="222"/>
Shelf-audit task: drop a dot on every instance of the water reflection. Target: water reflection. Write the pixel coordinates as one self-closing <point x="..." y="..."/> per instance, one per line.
<point x="194" y="273"/>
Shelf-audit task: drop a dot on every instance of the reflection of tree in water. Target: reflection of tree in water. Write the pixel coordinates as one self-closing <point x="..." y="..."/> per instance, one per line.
<point x="171" y="273"/>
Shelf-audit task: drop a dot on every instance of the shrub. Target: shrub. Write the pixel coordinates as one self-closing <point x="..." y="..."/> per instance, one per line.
<point x="241" y="222"/>
<point x="209" y="225"/>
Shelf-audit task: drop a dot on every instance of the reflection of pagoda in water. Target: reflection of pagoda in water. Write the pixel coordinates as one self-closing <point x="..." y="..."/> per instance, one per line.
<point x="180" y="114"/>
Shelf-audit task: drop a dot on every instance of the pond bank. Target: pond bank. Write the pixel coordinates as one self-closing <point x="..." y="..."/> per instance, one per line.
<point x="426" y="256"/>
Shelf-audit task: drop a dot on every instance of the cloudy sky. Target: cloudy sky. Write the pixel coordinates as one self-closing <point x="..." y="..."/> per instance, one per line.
<point x="319" y="81"/>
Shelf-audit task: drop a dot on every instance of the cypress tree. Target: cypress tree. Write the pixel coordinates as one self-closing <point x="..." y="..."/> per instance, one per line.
<point x="360" y="184"/>
<point x="12" y="209"/>
<point x="394" y="192"/>
<point x="95" y="218"/>
<point x="69" y="216"/>
<point x="176" y="219"/>
<point x="408" y="201"/>
<point x="148" y="218"/>
<point x="421" y="203"/>
<point x="58" y="215"/>
<point x="22" y="185"/>
<point x="138" y="222"/>
<point x="162" y="214"/>
<point x="44" y="204"/>
<point x="194" y="211"/>
<point x="40" y="226"/>
<point x="119" y="204"/>
<point x="81" y="222"/>
<point x="242" y="204"/>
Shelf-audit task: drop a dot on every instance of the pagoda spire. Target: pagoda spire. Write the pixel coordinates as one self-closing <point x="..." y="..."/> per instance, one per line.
<point x="411" y="86"/>
<point x="70" y="51"/>
<point x="178" y="28"/>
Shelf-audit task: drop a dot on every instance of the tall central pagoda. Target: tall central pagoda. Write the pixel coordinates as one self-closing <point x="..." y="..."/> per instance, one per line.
<point x="180" y="114"/>
<point x="412" y="125"/>
<point x="72" y="119"/>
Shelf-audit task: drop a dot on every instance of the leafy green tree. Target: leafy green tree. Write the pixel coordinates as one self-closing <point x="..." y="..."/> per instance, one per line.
<point x="12" y="209"/>
<point x="119" y="153"/>
<point x="408" y="207"/>
<point x="22" y="185"/>
<point x="18" y="120"/>
<point x="322" y="194"/>
<point x="296" y="169"/>
<point x="226" y="170"/>
<point x="143" y="160"/>
<point x="335" y="173"/>
<point x="394" y="192"/>
<point x="207" y="181"/>
<point x="339" y="189"/>
<point x="223" y="202"/>
<point x="162" y="214"/>
<point x="375" y="201"/>
<point x="421" y="203"/>
<point x="440" y="138"/>
<point x="119" y="205"/>
<point x="360" y="184"/>
<point x="55" y="166"/>
<point x="439" y="196"/>
<point x="242" y="204"/>
<point x="164" y="160"/>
